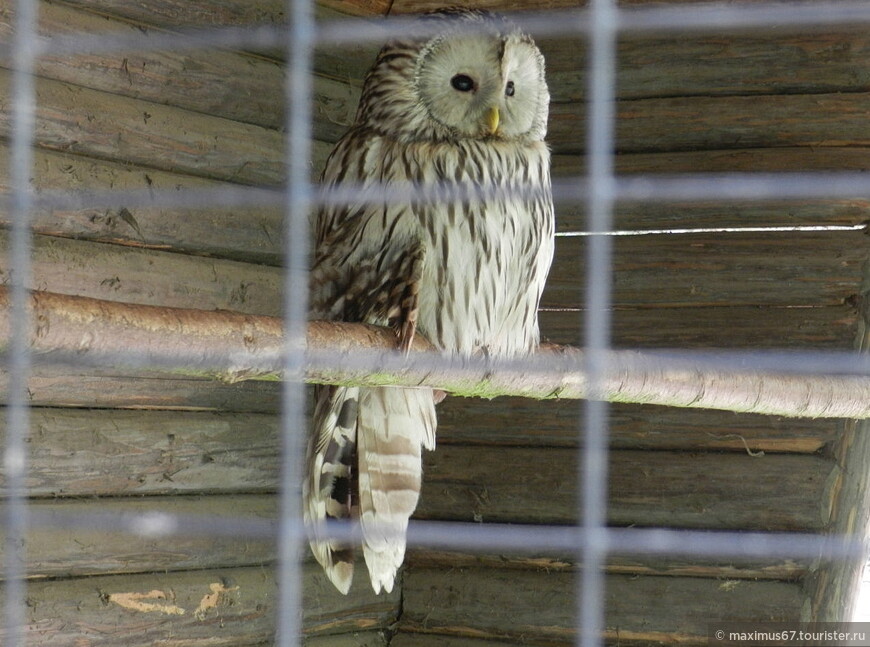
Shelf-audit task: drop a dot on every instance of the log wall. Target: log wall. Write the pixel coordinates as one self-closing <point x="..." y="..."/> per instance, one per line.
<point x="105" y="443"/>
<point x="834" y="586"/>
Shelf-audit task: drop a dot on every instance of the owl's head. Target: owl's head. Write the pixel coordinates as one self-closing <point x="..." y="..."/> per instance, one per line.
<point x="477" y="78"/>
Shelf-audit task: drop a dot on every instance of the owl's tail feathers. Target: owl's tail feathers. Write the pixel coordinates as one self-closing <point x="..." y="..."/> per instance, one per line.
<point x="394" y="423"/>
<point x="327" y="488"/>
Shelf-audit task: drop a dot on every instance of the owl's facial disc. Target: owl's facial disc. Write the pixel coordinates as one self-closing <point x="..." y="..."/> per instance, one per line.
<point x="482" y="85"/>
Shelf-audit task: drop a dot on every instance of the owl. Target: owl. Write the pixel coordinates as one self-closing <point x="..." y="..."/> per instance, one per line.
<point x="463" y="111"/>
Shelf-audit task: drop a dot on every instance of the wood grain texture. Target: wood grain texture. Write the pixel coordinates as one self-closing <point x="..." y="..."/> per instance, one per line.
<point x="246" y="233"/>
<point x="54" y="386"/>
<point x="730" y="569"/>
<point x="172" y="342"/>
<point x="355" y="639"/>
<point x="671" y="489"/>
<point x="461" y="421"/>
<point x="570" y="216"/>
<point x="154" y="341"/>
<point x="412" y="639"/>
<point x="255" y="233"/>
<point x="234" y="606"/>
<point x="67" y="550"/>
<point x="699" y="270"/>
<point x="347" y="62"/>
<point x="228" y="436"/>
<point x="150" y="277"/>
<point x="814" y="328"/>
<point x="829" y="158"/>
<point x="533" y="607"/>
<point x="738" y="269"/>
<point x="83" y="387"/>
<point x="231" y="85"/>
<point x="107" y="126"/>
<point x="220" y="12"/>
<point x="200" y="13"/>
<point x="771" y="394"/>
<point x="84" y="549"/>
<point x="87" y="549"/>
<point x="523" y="422"/>
<point x="728" y="122"/>
<point x="718" y="65"/>
<point x="123" y="452"/>
<point x="77" y="455"/>
<point x="667" y="216"/>
<point x="189" y="79"/>
<point x="360" y="7"/>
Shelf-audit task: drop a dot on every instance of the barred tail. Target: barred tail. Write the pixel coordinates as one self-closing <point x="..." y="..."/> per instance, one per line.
<point x="393" y="425"/>
<point x="327" y="488"/>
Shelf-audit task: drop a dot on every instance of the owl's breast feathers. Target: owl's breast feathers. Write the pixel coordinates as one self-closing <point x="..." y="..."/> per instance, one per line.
<point x="480" y="215"/>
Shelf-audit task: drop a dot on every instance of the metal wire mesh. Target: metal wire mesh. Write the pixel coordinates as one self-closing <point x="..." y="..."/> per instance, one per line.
<point x="592" y="541"/>
<point x="17" y="418"/>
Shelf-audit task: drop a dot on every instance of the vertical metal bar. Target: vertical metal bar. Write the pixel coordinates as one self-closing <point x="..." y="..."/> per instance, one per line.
<point x="298" y="201"/>
<point x="15" y="462"/>
<point x="600" y="146"/>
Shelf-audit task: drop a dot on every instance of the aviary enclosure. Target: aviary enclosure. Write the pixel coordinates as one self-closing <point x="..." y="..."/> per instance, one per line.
<point x="146" y="508"/>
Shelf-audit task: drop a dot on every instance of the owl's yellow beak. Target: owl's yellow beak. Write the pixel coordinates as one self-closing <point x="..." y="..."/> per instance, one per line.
<point x="492" y="119"/>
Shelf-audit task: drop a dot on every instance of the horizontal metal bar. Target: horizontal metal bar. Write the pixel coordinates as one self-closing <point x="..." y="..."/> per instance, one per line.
<point x="486" y="537"/>
<point x="716" y="16"/>
<point x="713" y="187"/>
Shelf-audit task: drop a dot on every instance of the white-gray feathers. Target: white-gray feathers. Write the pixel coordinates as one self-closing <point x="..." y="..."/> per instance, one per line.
<point x="462" y="111"/>
<point x="461" y="78"/>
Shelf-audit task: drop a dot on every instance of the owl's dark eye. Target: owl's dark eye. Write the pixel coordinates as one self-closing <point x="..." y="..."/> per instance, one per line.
<point x="509" y="89"/>
<point x="462" y="82"/>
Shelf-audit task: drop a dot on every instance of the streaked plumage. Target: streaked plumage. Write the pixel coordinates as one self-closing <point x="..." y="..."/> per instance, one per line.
<point x="467" y="272"/>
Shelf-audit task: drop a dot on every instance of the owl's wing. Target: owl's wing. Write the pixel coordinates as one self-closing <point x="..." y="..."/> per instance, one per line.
<point x="369" y="259"/>
<point x="381" y="289"/>
<point x="364" y="452"/>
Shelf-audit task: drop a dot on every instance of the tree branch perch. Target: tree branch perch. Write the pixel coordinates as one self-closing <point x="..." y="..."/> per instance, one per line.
<point x="233" y="346"/>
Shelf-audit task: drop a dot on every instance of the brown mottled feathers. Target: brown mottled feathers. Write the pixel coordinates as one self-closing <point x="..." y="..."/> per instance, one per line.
<point x="328" y="490"/>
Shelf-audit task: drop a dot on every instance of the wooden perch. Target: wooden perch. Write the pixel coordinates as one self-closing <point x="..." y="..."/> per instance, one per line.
<point x="233" y="346"/>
